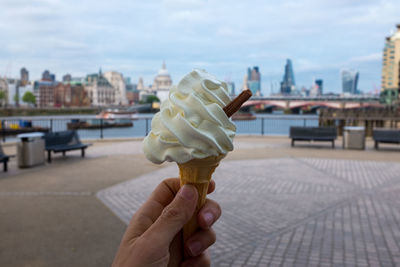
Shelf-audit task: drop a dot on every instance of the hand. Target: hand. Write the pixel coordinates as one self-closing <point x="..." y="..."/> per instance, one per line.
<point x="153" y="236"/>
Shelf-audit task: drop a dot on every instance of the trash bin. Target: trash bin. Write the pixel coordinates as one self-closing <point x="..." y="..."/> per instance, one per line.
<point x="354" y="137"/>
<point x="30" y="149"/>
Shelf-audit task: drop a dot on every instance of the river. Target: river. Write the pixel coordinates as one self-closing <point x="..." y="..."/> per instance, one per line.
<point x="262" y="125"/>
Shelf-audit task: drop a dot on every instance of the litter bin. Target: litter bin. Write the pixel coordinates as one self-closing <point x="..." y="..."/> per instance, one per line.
<point x="30" y="149"/>
<point x="354" y="137"/>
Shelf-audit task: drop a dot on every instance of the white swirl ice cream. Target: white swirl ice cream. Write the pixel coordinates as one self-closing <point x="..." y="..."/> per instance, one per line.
<point x="191" y="123"/>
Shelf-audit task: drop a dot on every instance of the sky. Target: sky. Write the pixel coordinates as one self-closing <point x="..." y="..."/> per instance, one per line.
<point x="225" y="37"/>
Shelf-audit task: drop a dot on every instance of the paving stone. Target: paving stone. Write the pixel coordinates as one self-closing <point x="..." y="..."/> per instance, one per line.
<point x="293" y="211"/>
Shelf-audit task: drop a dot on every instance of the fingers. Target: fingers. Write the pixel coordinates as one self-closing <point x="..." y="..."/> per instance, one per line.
<point x="199" y="242"/>
<point x="203" y="260"/>
<point x="173" y="217"/>
<point x="209" y="214"/>
<point x="211" y="187"/>
<point x="153" y="207"/>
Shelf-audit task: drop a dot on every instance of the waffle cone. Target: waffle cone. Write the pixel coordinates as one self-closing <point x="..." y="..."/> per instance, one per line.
<point x="197" y="172"/>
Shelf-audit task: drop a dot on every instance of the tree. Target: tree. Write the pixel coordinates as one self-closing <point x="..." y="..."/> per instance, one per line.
<point x="152" y="98"/>
<point x="29" y="98"/>
<point x="3" y="97"/>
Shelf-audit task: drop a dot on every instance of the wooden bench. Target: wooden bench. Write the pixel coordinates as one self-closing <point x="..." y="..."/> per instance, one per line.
<point x="325" y="134"/>
<point x="385" y="135"/>
<point x="64" y="141"/>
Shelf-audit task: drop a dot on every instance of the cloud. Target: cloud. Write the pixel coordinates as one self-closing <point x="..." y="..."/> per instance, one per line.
<point x="320" y="36"/>
<point x="367" y="58"/>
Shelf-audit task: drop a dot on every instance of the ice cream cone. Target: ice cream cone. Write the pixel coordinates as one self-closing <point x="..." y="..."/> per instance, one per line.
<point x="197" y="172"/>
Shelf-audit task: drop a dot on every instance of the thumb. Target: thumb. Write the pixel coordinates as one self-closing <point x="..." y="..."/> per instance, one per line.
<point x="174" y="216"/>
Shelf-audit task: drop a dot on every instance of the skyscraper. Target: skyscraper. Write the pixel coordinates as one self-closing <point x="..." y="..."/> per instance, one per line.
<point x="349" y="82"/>
<point x="320" y="85"/>
<point x="391" y="64"/>
<point x="254" y="80"/>
<point x="24" y="76"/>
<point x="288" y="84"/>
<point x="67" y="78"/>
<point x="231" y="88"/>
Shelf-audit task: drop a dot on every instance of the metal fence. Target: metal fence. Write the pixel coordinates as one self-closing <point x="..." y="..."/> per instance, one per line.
<point x="102" y="128"/>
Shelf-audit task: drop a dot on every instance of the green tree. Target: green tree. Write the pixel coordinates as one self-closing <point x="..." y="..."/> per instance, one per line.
<point x="152" y="98"/>
<point x="29" y="98"/>
<point x="3" y="97"/>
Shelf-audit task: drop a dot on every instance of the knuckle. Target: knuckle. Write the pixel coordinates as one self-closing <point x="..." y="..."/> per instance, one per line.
<point x="172" y="213"/>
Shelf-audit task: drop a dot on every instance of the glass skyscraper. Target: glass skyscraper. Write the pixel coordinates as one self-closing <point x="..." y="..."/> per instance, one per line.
<point x="349" y="82"/>
<point x="254" y="80"/>
<point x="288" y="84"/>
<point x="320" y="84"/>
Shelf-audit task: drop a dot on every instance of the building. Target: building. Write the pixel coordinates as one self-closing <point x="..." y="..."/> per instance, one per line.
<point x="132" y="93"/>
<point x="21" y="92"/>
<point x="100" y="91"/>
<point x="4" y="90"/>
<point x="24" y="77"/>
<point x="132" y="96"/>
<point x="140" y="85"/>
<point x="117" y="81"/>
<point x="288" y="84"/>
<point x="253" y="80"/>
<point x="67" y="78"/>
<point x="46" y="75"/>
<point x="162" y="83"/>
<point x="231" y="88"/>
<point x="317" y="88"/>
<point x="391" y="64"/>
<point x="319" y="84"/>
<point x="350" y="82"/>
<point x="70" y="95"/>
<point x="143" y="90"/>
<point x="13" y="92"/>
<point x="44" y="93"/>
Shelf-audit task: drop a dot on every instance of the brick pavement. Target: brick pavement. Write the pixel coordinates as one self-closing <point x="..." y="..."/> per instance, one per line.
<point x="293" y="211"/>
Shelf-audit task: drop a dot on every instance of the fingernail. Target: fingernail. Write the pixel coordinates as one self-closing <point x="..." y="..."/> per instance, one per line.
<point x="187" y="192"/>
<point x="209" y="218"/>
<point x="195" y="248"/>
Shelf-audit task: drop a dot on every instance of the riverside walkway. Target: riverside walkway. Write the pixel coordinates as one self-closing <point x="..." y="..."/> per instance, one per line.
<point x="282" y="206"/>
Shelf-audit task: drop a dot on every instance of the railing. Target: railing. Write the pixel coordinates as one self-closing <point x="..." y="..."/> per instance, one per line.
<point x="102" y="128"/>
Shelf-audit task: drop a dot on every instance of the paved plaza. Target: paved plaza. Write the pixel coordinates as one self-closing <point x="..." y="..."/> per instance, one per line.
<point x="293" y="211"/>
<point x="305" y="206"/>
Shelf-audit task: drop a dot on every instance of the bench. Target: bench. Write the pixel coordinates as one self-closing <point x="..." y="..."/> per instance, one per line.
<point x="327" y="134"/>
<point x="64" y="141"/>
<point x="4" y="159"/>
<point x="385" y="135"/>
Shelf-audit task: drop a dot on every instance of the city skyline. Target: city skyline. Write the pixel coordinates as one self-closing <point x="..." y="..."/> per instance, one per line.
<point x="319" y="37"/>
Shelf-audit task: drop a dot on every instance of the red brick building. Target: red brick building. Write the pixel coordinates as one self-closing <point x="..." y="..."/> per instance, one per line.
<point x="70" y="95"/>
<point x="44" y="91"/>
<point x="133" y="97"/>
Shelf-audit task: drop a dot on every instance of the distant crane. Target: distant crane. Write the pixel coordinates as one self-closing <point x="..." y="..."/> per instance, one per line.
<point x="7" y="70"/>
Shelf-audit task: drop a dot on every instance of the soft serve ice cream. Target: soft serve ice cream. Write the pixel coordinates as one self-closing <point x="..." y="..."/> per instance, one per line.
<point x="191" y="123"/>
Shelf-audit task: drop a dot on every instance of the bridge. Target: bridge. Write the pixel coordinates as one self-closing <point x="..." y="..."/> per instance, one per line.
<point x="312" y="103"/>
